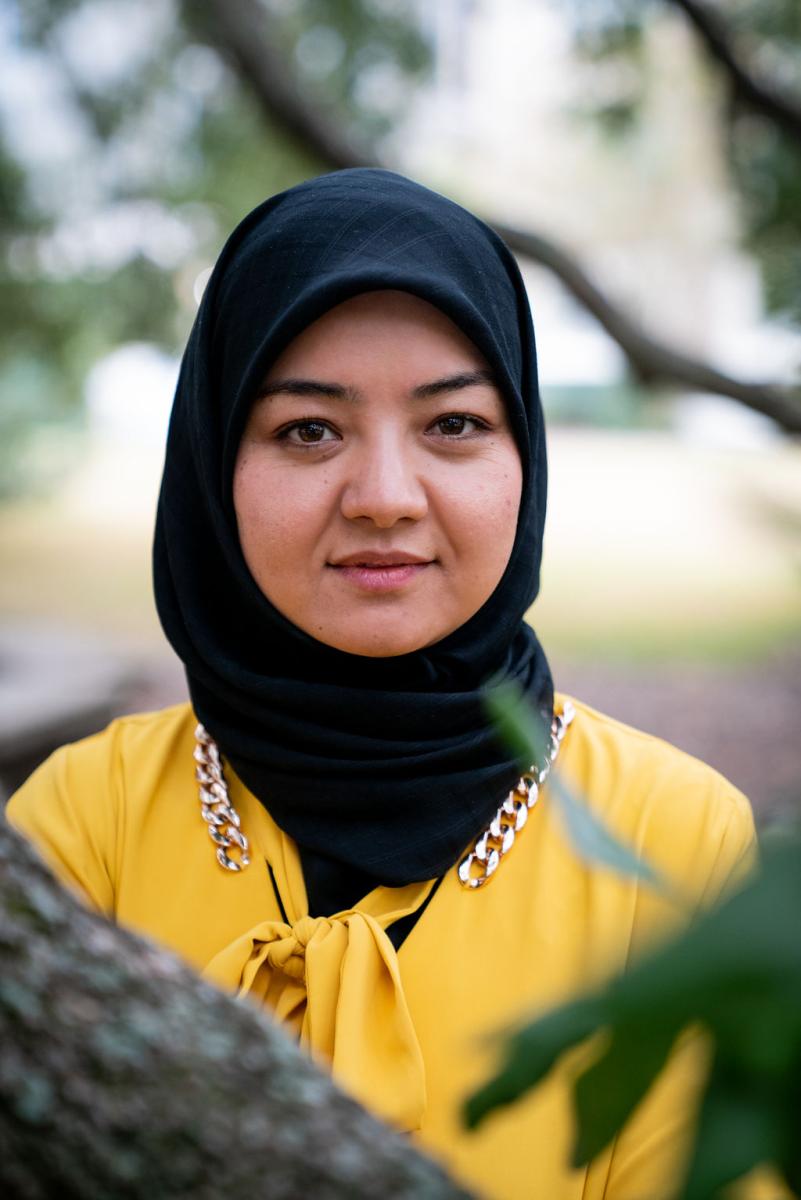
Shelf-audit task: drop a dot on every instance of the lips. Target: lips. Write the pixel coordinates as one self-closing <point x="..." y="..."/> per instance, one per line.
<point x="379" y="558"/>
<point x="381" y="570"/>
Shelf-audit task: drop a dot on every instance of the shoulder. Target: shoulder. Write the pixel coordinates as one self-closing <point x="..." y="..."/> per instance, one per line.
<point x="138" y="741"/>
<point x="74" y="807"/>
<point x="689" y="820"/>
<point x="622" y="764"/>
<point x="148" y="735"/>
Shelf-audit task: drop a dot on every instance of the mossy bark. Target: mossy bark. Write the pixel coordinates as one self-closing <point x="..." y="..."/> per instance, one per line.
<point x="123" y="1074"/>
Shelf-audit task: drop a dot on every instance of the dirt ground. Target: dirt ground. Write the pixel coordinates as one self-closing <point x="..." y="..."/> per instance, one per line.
<point x="745" y="721"/>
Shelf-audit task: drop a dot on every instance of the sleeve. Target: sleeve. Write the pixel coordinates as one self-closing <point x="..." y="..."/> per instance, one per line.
<point x="67" y="809"/>
<point x="649" y="1154"/>
<point x="737" y="854"/>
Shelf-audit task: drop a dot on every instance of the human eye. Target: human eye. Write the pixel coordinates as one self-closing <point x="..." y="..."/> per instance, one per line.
<point x="307" y="433"/>
<point x="458" y="426"/>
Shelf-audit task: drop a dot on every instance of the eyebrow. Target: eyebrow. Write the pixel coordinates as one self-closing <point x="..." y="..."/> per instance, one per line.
<point x="336" y="391"/>
<point x="454" y="383"/>
<point x="306" y="387"/>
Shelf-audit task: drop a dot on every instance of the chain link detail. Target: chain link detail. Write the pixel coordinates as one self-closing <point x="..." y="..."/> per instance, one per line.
<point x="222" y="819"/>
<point x="480" y="864"/>
<point x="475" y="869"/>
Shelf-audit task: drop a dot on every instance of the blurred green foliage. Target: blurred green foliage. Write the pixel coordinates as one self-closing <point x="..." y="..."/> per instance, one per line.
<point x="525" y="733"/>
<point x="170" y="140"/>
<point x="736" y="973"/>
<point x="764" y="160"/>
<point x="624" y="405"/>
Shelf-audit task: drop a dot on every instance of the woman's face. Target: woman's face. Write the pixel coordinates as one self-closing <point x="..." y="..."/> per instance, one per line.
<point x="377" y="483"/>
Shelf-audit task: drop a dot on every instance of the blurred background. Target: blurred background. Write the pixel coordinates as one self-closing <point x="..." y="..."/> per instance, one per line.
<point x="643" y="158"/>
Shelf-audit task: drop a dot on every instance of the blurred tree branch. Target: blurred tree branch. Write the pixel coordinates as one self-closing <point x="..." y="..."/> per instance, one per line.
<point x="240" y="30"/>
<point x="123" y="1073"/>
<point x="755" y="93"/>
<point x="652" y="361"/>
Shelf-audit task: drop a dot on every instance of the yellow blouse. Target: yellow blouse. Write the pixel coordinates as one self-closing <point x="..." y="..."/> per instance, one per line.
<point x="118" y="817"/>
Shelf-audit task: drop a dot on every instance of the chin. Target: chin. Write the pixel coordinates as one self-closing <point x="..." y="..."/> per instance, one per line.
<point x="382" y="644"/>
<point x="381" y="649"/>
<point x="389" y="652"/>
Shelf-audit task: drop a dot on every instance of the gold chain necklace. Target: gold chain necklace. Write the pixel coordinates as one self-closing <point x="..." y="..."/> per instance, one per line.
<point x="222" y="819"/>
<point x="480" y="864"/>
<point x="475" y="869"/>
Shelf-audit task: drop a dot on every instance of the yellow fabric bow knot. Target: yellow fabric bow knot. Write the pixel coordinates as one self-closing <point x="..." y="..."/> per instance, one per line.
<point x="335" y="983"/>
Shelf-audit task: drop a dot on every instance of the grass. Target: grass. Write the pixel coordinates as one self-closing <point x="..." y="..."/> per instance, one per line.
<point x="734" y="643"/>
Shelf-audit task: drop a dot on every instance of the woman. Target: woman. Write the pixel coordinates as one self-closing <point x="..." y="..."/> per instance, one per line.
<point x="348" y="537"/>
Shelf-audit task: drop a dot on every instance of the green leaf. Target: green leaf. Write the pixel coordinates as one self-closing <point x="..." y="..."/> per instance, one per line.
<point x="523" y="729"/>
<point x="736" y="1132"/>
<point x="608" y="1092"/>
<point x="738" y="972"/>
<point x="593" y="841"/>
<point x="526" y="734"/>
<point x="530" y="1054"/>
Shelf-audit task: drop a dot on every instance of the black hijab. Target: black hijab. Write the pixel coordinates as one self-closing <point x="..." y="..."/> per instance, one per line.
<point x="388" y="766"/>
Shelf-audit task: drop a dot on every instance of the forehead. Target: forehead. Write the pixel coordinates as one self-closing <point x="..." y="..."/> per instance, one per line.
<point x="389" y="328"/>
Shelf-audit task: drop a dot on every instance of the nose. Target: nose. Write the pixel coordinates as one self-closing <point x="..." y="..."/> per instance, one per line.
<point x="384" y="484"/>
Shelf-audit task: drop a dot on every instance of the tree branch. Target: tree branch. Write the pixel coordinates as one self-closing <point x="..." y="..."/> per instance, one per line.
<point x="780" y="108"/>
<point x="124" y="1074"/>
<point x="653" y="362"/>
<point x="240" y="31"/>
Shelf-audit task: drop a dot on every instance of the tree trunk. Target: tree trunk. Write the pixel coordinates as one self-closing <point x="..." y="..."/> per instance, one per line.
<point x="123" y="1074"/>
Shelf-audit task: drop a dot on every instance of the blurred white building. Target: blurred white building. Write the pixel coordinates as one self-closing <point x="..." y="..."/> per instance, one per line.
<point x="651" y="215"/>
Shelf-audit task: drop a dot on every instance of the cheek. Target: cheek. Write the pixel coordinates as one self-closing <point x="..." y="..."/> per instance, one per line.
<point x="483" y="514"/>
<point x="504" y="511"/>
<point x="254" y="506"/>
<point x="489" y="510"/>
<point x="275" y="516"/>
